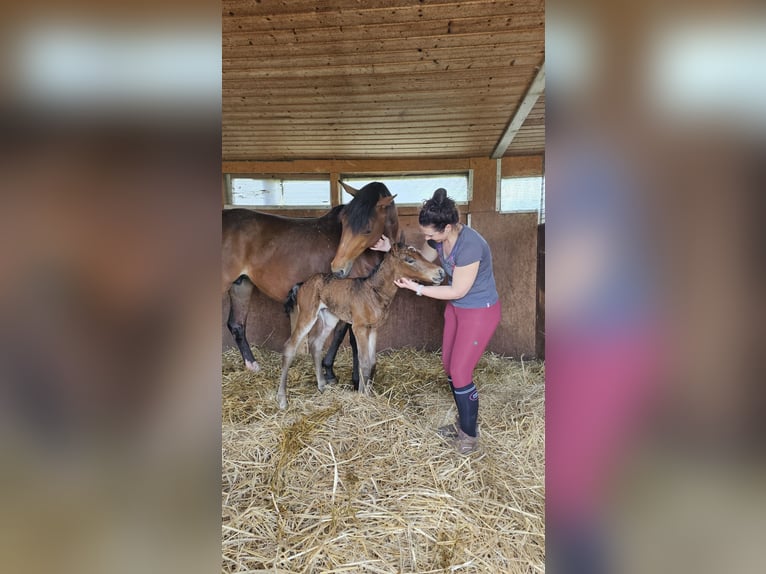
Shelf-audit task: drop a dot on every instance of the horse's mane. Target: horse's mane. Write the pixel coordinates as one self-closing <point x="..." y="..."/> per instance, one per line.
<point x="359" y="211"/>
<point x="334" y="213"/>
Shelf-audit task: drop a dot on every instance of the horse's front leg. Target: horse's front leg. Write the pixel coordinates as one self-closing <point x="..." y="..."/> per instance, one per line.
<point x="239" y="296"/>
<point x="329" y="359"/>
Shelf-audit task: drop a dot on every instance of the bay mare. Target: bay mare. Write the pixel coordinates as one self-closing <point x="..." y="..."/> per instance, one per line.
<point x="273" y="253"/>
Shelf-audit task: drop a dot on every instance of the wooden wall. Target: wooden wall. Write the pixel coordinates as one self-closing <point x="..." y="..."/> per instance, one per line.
<point x="414" y="321"/>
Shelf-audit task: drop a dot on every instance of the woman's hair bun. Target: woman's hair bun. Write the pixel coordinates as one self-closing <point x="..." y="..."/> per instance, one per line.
<point x="439" y="196"/>
<point x="439" y="211"/>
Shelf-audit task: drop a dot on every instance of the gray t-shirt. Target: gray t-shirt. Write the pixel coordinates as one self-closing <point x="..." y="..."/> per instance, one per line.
<point x="470" y="248"/>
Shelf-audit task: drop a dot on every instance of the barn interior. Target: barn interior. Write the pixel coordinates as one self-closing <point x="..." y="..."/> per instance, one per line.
<point x="393" y="91"/>
<point x="332" y="91"/>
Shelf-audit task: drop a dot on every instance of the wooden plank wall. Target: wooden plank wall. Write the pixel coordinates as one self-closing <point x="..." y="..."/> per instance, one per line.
<point x="413" y="321"/>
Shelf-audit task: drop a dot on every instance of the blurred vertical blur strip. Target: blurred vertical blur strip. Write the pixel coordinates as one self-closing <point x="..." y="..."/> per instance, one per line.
<point x="109" y="305"/>
<point x="656" y="137"/>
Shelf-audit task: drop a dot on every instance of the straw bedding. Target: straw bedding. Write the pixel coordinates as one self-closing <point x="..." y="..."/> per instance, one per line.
<point x="346" y="483"/>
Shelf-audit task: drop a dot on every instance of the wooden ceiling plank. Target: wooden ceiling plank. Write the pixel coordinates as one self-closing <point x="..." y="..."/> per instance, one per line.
<point x="244" y="57"/>
<point x="525" y="21"/>
<point x="453" y="66"/>
<point x="470" y="79"/>
<point x="527" y="103"/>
<point x="269" y="44"/>
<point x="373" y="16"/>
<point x="360" y="48"/>
<point x="234" y="8"/>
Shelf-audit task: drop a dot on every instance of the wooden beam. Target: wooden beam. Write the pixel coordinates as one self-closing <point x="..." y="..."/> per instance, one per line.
<point x="527" y="103"/>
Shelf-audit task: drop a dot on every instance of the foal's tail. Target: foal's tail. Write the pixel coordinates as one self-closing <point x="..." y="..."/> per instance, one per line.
<point x="292" y="299"/>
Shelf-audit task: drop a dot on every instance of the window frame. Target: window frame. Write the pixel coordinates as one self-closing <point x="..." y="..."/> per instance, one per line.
<point x="382" y="175"/>
<point x="539" y="210"/>
<point x="322" y="177"/>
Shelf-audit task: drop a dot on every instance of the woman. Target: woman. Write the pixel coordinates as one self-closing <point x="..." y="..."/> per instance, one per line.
<point x="473" y="309"/>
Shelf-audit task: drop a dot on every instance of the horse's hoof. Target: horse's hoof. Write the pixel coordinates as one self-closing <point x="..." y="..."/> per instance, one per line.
<point x="252" y="366"/>
<point x="331" y="380"/>
<point x="282" y="402"/>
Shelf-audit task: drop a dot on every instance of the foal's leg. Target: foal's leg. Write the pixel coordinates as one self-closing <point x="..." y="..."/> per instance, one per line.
<point x="239" y="296"/>
<point x="329" y="359"/>
<point x="366" y="338"/>
<point x="303" y="325"/>
<point x="327" y="321"/>
<point x="371" y="359"/>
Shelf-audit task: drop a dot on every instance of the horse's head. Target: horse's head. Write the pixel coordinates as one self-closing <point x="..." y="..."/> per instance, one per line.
<point x="369" y="215"/>
<point x="410" y="263"/>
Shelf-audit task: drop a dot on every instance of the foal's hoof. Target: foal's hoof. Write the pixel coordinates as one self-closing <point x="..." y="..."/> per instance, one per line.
<point x="366" y="388"/>
<point x="282" y="402"/>
<point x="252" y="366"/>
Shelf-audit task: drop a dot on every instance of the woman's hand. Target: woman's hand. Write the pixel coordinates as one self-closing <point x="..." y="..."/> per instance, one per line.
<point x="383" y="244"/>
<point x="405" y="283"/>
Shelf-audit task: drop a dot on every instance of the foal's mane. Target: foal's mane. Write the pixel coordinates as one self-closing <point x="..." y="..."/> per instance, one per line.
<point x="399" y="245"/>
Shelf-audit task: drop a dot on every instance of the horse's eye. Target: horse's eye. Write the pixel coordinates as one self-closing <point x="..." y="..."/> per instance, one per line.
<point x="409" y="260"/>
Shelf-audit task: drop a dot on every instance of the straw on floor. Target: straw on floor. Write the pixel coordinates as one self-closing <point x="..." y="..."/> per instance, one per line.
<point x="346" y="483"/>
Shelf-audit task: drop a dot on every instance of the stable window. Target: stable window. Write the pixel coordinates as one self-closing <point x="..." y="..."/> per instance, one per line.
<point x="414" y="189"/>
<point x="277" y="191"/>
<point x="523" y="195"/>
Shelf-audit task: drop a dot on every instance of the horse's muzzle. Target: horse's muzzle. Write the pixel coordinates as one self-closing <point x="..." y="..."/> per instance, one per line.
<point x="342" y="273"/>
<point x="439" y="277"/>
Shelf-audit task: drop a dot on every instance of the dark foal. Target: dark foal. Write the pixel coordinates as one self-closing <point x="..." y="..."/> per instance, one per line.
<point x="323" y="300"/>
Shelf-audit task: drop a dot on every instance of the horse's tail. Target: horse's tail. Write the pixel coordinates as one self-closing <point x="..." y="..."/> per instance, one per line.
<point x="292" y="298"/>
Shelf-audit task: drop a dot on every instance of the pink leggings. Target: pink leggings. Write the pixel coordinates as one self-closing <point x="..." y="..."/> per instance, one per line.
<point x="466" y="334"/>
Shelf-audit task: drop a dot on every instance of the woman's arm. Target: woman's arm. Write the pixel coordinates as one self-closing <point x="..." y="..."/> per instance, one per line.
<point x="462" y="281"/>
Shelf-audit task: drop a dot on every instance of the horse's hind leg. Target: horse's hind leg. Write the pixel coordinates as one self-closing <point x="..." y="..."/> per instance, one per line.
<point x="239" y="296"/>
<point x="329" y="359"/>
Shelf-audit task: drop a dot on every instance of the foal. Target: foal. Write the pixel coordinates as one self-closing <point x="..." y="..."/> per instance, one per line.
<point x="363" y="302"/>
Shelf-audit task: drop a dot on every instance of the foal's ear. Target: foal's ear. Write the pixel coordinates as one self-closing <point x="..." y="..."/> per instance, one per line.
<point x="402" y="241"/>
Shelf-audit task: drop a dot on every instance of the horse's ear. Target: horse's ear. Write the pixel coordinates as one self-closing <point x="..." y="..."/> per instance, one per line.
<point x="402" y="239"/>
<point x="349" y="190"/>
<point x="386" y="201"/>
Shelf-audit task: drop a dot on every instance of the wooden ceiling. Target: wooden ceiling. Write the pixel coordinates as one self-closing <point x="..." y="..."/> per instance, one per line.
<point x="389" y="79"/>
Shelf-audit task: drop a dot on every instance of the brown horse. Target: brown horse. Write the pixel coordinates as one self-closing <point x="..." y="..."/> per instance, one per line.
<point x="363" y="303"/>
<point x="273" y="253"/>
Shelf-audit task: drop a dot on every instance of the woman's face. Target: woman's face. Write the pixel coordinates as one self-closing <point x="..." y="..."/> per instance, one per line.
<point x="430" y="233"/>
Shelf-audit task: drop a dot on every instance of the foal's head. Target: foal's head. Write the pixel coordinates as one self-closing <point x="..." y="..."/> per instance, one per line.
<point x="410" y="263"/>
<point x="370" y="214"/>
